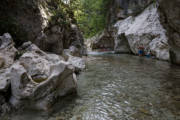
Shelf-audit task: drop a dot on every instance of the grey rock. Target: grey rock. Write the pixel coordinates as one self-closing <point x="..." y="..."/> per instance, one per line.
<point x="4" y="80"/>
<point x="121" y="44"/>
<point x="4" y="106"/>
<point x="36" y="22"/>
<point x="38" y="79"/>
<point x="121" y="9"/>
<point x="145" y="30"/>
<point x="103" y="40"/>
<point x="5" y="40"/>
<point x="170" y="18"/>
<point x="7" y="51"/>
<point x="74" y="51"/>
<point x="7" y="55"/>
<point x="78" y="62"/>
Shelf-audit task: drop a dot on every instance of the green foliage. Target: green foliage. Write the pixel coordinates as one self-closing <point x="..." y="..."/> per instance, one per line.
<point x="90" y="15"/>
<point x="62" y="13"/>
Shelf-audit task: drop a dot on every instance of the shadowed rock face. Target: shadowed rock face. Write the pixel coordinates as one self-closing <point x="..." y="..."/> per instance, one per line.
<point x="103" y="41"/>
<point x="7" y="55"/>
<point x="121" y="44"/>
<point x="33" y="20"/>
<point x="170" y="18"/>
<point x="121" y="9"/>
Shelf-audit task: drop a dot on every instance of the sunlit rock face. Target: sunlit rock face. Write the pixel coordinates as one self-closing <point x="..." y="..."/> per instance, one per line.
<point x="7" y="58"/>
<point x="38" y="79"/>
<point x="170" y="18"/>
<point x="33" y="20"/>
<point x="7" y="55"/>
<point x="118" y="10"/>
<point x="145" y="30"/>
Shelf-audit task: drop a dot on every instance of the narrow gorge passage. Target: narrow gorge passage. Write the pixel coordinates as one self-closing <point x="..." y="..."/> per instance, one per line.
<point x="89" y="60"/>
<point x="120" y="87"/>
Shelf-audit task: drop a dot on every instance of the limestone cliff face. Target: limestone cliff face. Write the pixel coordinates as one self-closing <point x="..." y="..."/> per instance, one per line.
<point x="169" y="12"/>
<point x="119" y="10"/>
<point x="143" y="30"/>
<point x="170" y="18"/>
<point x="38" y="21"/>
<point x="157" y="28"/>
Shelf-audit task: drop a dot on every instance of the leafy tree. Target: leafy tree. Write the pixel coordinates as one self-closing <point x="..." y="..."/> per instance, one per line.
<point x="91" y="15"/>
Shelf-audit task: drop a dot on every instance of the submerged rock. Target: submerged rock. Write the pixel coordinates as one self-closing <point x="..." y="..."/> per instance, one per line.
<point x="145" y="30"/>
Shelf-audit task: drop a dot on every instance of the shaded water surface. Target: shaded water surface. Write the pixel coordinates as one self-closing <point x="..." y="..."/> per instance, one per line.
<point x="120" y="87"/>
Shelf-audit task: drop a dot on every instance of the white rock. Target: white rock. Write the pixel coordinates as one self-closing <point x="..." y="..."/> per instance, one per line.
<point x="37" y="79"/>
<point x="4" y="80"/>
<point x="78" y="62"/>
<point x="7" y="56"/>
<point x="7" y="51"/>
<point x="146" y="30"/>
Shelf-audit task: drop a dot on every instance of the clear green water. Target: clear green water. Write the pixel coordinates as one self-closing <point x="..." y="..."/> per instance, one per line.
<point x="119" y="87"/>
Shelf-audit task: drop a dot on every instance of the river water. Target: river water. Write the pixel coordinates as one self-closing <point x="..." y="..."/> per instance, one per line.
<point x="119" y="87"/>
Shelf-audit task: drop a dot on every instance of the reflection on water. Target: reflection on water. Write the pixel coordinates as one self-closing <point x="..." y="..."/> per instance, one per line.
<point x="120" y="87"/>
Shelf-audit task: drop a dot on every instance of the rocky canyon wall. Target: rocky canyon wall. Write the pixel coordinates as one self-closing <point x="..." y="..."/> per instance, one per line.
<point x="148" y="23"/>
<point x="40" y="57"/>
<point x="170" y="19"/>
<point x="41" y="21"/>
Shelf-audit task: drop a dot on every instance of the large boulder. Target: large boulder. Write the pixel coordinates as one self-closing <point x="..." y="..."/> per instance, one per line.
<point x="170" y="18"/>
<point x="145" y="30"/>
<point x="103" y="41"/>
<point x="7" y="56"/>
<point x="7" y="51"/>
<point x="78" y="62"/>
<point x="38" y="79"/>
